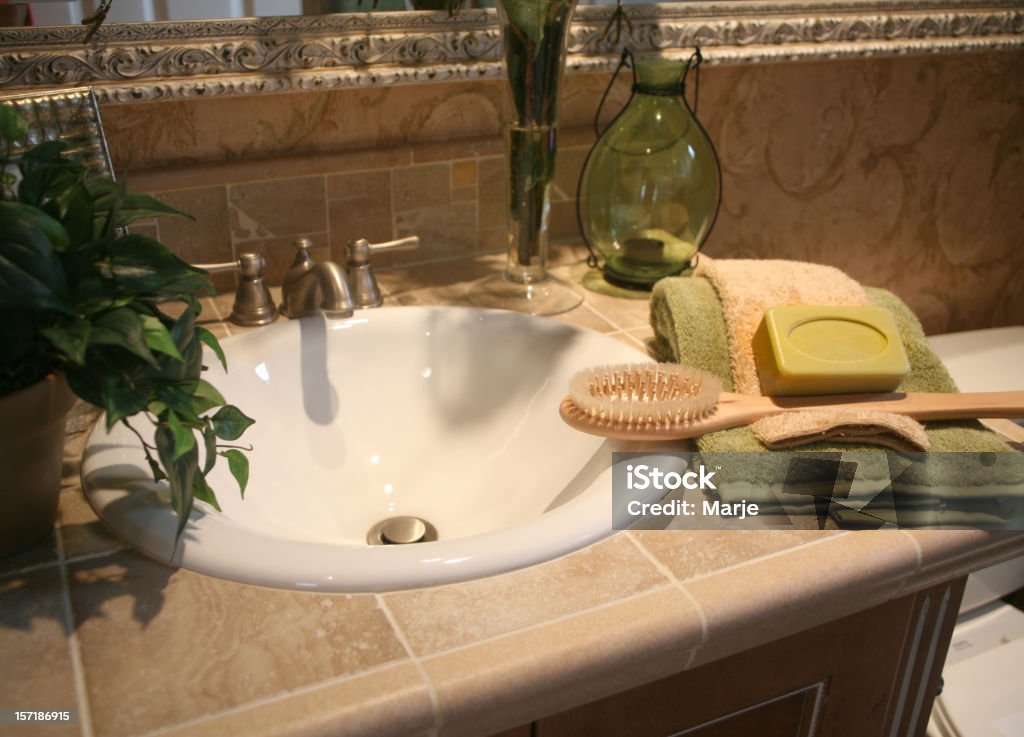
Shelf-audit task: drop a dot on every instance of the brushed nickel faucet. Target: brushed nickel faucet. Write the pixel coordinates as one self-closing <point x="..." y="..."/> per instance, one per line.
<point x="253" y="304"/>
<point x="365" y="291"/>
<point x="311" y="287"/>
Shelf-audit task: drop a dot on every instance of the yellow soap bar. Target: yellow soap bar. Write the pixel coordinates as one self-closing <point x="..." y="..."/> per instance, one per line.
<point x="804" y="349"/>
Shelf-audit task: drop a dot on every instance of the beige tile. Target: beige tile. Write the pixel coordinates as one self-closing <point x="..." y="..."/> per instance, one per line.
<point x="464" y="173"/>
<point x="585" y="317"/>
<point x="511" y="680"/>
<point x="389" y="702"/>
<point x="359" y="206"/>
<point x="457" y="149"/>
<point x="691" y="553"/>
<point x="491" y="191"/>
<point x="162" y="647"/>
<point x="464" y="194"/>
<point x="445" y="231"/>
<point x="807" y="586"/>
<point x="278" y="208"/>
<point x="434" y="620"/>
<point x="37" y="671"/>
<point x="562" y="221"/>
<point x="205" y="240"/>
<point x="950" y="553"/>
<point x="627" y="313"/>
<point x="81" y="531"/>
<point x="416" y="187"/>
<point x="240" y="171"/>
<point x="492" y="239"/>
<point x="568" y="164"/>
<point x="148" y="229"/>
<point x="429" y="275"/>
<point x="568" y="260"/>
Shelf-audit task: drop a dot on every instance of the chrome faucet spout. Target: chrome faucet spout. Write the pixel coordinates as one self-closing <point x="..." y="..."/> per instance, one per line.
<point x="310" y="288"/>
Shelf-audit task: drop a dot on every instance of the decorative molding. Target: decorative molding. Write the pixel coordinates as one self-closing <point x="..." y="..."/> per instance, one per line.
<point x="155" y="61"/>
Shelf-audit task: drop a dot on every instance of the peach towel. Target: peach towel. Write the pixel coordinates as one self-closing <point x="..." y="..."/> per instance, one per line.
<point x="746" y="288"/>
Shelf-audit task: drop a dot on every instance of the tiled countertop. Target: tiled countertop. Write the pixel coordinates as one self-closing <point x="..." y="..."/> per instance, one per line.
<point x="138" y="649"/>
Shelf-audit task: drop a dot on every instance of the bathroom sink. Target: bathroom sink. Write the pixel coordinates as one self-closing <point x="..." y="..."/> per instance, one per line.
<point x="443" y="414"/>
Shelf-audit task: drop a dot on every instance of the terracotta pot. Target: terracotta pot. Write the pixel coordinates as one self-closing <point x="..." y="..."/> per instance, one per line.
<point x="31" y="452"/>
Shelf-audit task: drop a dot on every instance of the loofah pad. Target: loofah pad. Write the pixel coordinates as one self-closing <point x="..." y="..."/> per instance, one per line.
<point x="877" y="428"/>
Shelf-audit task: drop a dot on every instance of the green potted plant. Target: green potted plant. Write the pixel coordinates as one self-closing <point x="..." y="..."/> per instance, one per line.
<point x="89" y="310"/>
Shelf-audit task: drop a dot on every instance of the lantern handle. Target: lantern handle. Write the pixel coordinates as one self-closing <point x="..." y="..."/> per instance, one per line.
<point x="626" y="59"/>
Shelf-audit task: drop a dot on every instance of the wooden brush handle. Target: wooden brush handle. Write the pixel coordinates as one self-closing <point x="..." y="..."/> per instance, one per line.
<point x="919" y="406"/>
<point x="733" y="410"/>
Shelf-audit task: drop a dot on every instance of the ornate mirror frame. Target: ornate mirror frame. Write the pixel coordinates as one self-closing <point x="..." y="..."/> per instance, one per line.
<point x="157" y="61"/>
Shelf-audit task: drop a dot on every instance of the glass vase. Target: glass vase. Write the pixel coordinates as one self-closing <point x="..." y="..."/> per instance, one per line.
<point x="651" y="186"/>
<point x="534" y="39"/>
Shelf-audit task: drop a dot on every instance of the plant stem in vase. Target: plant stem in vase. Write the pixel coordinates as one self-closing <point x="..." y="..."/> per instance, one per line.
<point x="534" y="37"/>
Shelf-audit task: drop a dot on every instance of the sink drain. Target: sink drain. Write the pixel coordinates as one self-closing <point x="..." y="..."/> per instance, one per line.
<point x="401" y="531"/>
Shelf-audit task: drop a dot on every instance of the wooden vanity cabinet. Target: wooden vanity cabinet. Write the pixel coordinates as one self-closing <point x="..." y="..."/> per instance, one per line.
<point x="871" y="674"/>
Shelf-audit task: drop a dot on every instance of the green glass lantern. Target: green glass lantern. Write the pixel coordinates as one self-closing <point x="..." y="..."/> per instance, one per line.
<point x="651" y="186"/>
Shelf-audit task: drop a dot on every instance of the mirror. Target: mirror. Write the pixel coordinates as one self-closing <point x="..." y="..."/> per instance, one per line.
<point x="138" y="62"/>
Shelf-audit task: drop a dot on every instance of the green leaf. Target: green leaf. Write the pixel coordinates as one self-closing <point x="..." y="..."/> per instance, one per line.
<point x="131" y="206"/>
<point x="46" y="174"/>
<point x="122" y="327"/>
<point x="120" y="399"/>
<point x="205" y="397"/>
<point x="210" y="442"/>
<point x="71" y="339"/>
<point x="13" y="126"/>
<point x="230" y="422"/>
<point x="202" y="491"/>
<point x="158" y="337"/>
<point x="181" y="470"/>
<point x="213" y="344"/>
<point x="238" y="464"/>
<point x="30" y="272"/>
<point x="78" y="213"/>
<point x="184" y="440"/>
<point x="145" y="266"/>
<point x="154" y="467"/>
<point x="179" y="400"/>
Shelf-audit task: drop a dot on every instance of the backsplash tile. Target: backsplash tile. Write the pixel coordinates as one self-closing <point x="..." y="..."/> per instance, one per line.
<point x="277" y="208"/>
<point x="906" y="172"/>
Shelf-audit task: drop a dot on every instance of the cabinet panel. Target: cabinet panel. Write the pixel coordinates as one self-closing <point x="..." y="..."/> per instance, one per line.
<point x="843" y="679"/>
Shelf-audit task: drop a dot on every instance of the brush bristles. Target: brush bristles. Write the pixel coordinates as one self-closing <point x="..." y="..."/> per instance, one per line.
<point x="645" y="395"/>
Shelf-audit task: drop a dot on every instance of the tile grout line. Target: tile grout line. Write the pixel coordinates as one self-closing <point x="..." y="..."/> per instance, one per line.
<point x="31" y="567"/>
<point x="74" y="650"/>
<point x="665" y="571"/>
<point x="917" y="550"/>
<point x="613" y="323"/>
<point x="435" y="703"/>
<point x="919" y="558"/>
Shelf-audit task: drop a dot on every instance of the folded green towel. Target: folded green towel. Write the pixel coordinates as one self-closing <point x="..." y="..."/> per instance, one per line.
<point x="689" y="328"/>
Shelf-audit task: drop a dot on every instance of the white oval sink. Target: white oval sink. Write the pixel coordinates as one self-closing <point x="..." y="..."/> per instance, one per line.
<point x="444" y="413"/>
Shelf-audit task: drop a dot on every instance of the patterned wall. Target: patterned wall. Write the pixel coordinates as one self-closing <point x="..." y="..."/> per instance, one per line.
<point x="907" y="172"/>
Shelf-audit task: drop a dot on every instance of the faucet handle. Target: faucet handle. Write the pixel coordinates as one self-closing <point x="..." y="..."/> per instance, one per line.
<point x="365" y="291"/>
<point x="253" y="304"/>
